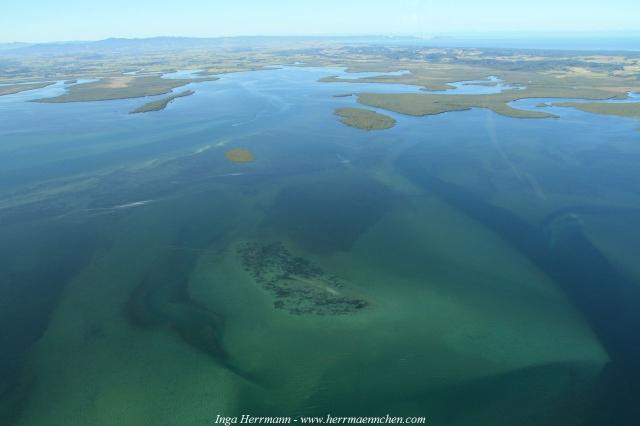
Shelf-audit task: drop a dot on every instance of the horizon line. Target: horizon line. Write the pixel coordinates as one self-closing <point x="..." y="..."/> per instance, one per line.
<point x="499" y="34"/>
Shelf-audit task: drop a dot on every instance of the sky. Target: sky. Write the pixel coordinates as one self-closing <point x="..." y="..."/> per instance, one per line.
<point x="64" y="20"/>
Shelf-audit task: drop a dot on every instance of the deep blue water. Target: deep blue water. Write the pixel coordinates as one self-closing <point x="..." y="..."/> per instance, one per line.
<point x="493" y="252"/>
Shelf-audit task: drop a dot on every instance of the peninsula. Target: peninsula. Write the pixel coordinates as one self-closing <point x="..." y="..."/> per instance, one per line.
<point x="161" y="104"/>
<point x="122" y="87"/>
<point x="10" y="89"/>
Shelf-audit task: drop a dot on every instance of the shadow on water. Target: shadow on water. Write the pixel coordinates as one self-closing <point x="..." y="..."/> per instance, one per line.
<point x="162" y="300"/>
<point x="605" y="295"/>
<point x="548" y="394"/>
<point x="34" y="268"/>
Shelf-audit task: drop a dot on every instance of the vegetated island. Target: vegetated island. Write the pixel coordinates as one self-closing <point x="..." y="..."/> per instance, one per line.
<point x="430" y="104"/>
<point x="587" y="77"/>
<point x="122" y="87"/>
<point x="631" y="109"/>
<point x="365" y="119"/>
<point x="17" y="88"/>
<point x="239" y="155"/>
<point x="161" y="104"/>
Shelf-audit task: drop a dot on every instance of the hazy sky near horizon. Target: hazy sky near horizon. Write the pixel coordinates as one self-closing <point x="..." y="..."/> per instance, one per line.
<point x="50" y="20"/>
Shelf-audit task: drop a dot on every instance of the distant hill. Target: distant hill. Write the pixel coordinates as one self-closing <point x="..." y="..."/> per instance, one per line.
<point x="128" y="45"/>
<point x="111" y="45"/>
<point x="11" y="46"/>
<point x="628" y="43"/>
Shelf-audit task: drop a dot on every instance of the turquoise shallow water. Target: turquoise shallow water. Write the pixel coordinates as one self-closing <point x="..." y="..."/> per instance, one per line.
<point x="468" y="267"/>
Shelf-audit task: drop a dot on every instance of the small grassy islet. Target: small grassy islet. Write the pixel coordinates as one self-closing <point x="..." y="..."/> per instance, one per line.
<point x="365" y="119"/>
<point x="239" y="155"/>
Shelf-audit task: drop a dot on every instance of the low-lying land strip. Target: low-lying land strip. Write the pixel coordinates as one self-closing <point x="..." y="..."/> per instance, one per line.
<point x="429" y="104"/>
<point x="123" y="87"/>
<point x="434" y="77"/>
<point x="560" y="75"/>
<point x="161" y="104"/>
<point x="631" y="109"/>
<point x="17" y="88"/>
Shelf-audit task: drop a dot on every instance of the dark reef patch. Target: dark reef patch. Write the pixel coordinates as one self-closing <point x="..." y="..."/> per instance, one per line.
<point x="298" y="285"/>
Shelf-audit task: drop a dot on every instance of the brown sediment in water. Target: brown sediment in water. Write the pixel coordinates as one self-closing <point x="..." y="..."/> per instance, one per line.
<point x="239" y="155"/>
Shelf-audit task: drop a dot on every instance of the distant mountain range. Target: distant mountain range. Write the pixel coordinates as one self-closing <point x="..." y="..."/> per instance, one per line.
<point x="167" y="44"/>
<point x="10" y="46"/>
<point x="132" y="45"/>
<point x="110" y="45"/>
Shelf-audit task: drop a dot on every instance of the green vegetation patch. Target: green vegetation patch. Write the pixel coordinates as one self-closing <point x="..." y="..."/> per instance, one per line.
<point x="161" y="103"/>
<point x="365" y="119"/>
<point x="631" y="109"/>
